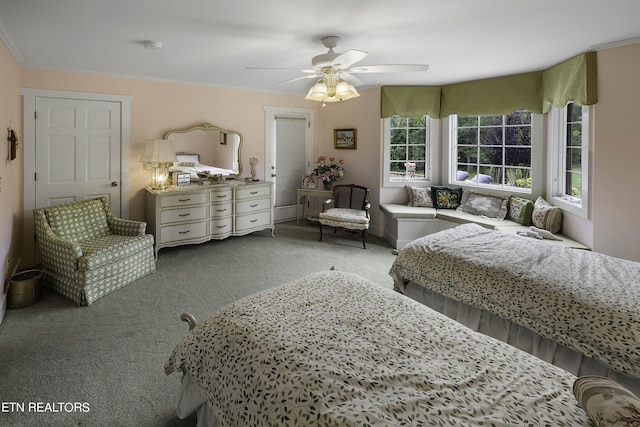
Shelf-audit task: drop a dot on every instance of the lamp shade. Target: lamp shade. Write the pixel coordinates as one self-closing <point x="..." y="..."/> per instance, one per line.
<point x="158" y="151"/>
<point x="318" y="92"/>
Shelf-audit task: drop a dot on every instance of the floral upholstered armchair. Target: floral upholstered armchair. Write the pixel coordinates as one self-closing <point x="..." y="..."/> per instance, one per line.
<point x="350" y="210"/>
<point x="87" y="252"/>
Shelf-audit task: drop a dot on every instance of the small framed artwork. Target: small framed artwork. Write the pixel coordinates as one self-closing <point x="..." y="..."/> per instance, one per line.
<point x="344" y="138"/>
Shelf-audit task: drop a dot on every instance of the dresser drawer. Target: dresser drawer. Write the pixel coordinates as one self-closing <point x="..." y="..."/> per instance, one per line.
<point x="221" y="226"/>
<point x="221" y="196"/>
<point x="183" y="200"/>
<point x="221" y="210"/>
<point x="247" y="206"/>
<point x="174" y="233"/>
<point x="249" y="221"/>
<point x="186" y="214"/>
<point x="250" y="192"/>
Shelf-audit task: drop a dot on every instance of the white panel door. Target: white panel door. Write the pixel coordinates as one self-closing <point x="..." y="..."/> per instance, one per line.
<point x="78" y="145"/>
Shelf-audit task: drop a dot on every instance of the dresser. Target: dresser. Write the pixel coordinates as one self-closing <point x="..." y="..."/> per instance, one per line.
<point x="195" y="214"/>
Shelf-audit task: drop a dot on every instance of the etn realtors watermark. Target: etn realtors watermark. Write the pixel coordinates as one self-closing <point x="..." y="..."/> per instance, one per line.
<point x="44" y="407"/>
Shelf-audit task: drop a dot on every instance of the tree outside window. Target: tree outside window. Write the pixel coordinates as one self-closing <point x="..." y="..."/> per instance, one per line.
<point x="408" y="148"/>
<point x="494" y="149"/>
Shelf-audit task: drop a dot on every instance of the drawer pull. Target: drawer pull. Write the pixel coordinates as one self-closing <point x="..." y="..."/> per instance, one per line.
<point x="221" y="226"/>
<point x="183" y="232"/>
<point x="221" y="210"/>
<point x="183" y="200"/>
<point x="254" y="192"/>
<point x="223" y="196"/>
<point x="187" y="214"/>
<point x="254" y="205"/>
<point x="254" y="220"/>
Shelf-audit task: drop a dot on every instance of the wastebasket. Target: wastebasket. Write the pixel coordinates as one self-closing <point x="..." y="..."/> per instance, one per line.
<point x="25" y="288"/>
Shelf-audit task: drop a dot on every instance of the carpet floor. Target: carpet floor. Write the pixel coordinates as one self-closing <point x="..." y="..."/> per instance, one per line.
<point x="103" y="365"/>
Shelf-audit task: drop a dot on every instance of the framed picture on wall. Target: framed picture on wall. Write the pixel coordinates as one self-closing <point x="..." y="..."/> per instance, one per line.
<point x="344" y="138"/>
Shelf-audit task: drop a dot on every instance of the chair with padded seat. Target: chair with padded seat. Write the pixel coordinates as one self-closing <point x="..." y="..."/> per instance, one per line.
<point x="88" y="252"/>
<point x="350" y="210"/>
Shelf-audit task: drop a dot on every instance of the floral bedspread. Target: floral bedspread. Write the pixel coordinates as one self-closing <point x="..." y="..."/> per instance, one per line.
<point x="333" y="349"/>
<point x="586" y="301"/>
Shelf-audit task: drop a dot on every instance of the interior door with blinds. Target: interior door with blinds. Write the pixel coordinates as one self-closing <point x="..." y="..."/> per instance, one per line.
<point x="290" y="163"/>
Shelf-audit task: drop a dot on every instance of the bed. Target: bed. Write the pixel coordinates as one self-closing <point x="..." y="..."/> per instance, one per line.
<point x="577" y="309"/>
<point x="190" y="163"/>
<point x="335" y="349"/>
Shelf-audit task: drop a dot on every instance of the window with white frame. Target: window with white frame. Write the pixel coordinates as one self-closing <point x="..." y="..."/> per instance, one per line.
<point x="492" y="150"/>
<point x="568" y="157"/>
<point x="407" y="155"/>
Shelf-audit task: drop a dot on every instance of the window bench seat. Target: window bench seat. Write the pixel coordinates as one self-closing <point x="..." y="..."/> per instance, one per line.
<point x="403" y="224"/>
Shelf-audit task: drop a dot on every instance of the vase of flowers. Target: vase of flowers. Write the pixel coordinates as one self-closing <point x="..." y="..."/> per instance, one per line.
<point x="328" y="170"/>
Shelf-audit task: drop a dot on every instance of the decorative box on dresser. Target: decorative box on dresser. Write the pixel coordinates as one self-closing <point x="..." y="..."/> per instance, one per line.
<point x="199" y="213"/>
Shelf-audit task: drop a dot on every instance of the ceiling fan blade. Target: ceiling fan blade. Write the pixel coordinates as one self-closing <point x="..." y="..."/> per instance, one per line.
<point x="310" y="76"/>
<point x="397" y="68"/>
<point x="348" y="58"/>
<point x="282" y="68"/>
<point x="351" y="79"/>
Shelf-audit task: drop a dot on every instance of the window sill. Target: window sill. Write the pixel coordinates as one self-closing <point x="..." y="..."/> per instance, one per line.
<point x="572" y="207"/>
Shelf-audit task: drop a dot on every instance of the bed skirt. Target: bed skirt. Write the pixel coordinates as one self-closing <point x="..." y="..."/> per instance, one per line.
<point x="518" y="336"/>
<point x="191" y="400"/>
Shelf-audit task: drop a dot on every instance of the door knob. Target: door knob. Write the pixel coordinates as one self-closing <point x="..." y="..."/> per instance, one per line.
<point x="114" y="184"/>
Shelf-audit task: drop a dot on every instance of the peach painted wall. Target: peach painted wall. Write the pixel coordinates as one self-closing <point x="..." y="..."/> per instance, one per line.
<point x="158" y="107"/>
<point x="10" y="171"/>
<point x="616" y="164"/>
<point x="362" y="165"/>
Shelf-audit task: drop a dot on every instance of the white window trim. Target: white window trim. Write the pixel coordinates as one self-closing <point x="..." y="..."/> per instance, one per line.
<point x="557" y="140"/>
<point x="537" y="159"/>
<point x="433" y="156"/>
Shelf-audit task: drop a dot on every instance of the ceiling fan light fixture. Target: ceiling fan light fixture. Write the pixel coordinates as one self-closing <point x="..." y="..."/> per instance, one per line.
<point x="318" y="92"/>
<point x="332" y="92"/>
<point x="344" y="89"/>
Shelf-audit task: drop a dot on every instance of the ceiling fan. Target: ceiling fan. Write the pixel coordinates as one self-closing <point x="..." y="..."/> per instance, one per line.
<point x="332" y="67"/>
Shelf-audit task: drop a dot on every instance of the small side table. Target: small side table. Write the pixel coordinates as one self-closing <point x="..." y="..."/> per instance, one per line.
<point x="310" y="192"/>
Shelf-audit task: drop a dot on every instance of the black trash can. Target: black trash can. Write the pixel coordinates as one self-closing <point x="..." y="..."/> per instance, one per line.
<point x="25" y="288"/>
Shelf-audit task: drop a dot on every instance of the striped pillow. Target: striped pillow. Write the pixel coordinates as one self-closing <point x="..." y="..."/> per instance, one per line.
<point x="606" y="402"/>
<point x="546" y="216"/>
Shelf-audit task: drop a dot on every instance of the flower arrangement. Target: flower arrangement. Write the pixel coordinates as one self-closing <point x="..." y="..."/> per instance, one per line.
<point x="328" y="170"/>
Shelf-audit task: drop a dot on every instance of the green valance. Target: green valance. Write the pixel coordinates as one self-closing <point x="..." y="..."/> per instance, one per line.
<point x="572" y="80"/>
<point x="410" y="101"/>
<point x="500" y="95"/>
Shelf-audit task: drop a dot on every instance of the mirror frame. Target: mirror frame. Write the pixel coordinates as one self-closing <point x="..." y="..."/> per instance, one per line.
<point x="209" y="127"/>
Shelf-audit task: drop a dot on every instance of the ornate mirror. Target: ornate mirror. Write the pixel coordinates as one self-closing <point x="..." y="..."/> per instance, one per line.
<point x="208" y="147"/>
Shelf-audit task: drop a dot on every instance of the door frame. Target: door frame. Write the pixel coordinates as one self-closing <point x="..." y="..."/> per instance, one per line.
<point x="29" y="153"/>
<point x="270" y="137"/>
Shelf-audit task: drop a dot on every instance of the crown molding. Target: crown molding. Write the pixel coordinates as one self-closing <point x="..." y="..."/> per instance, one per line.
<point x="618" y="43"/>
<point x="8" y="41"/>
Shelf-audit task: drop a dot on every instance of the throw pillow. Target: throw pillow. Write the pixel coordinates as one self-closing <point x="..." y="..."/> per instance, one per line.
<point x="482" y="179"/>
<point x="462" y="175"/>
<point x="546" y="216"/>
<point x="520" y="210"/>
<point x="484" y="204"/>
<point x="446" y="197"/>
<point x="605" y="401"/>
<point x="419" y="196"/>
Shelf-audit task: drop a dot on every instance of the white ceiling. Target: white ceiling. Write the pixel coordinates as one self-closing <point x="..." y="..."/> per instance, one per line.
<point x="212" y="42"/>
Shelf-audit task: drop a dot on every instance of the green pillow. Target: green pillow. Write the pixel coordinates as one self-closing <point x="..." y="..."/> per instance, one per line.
<point x="446" y="197"/>
<point x="520" y="210"/>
